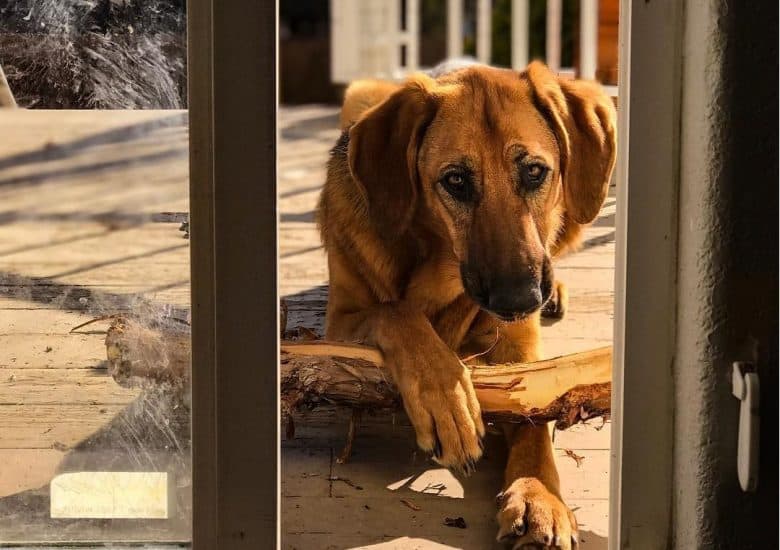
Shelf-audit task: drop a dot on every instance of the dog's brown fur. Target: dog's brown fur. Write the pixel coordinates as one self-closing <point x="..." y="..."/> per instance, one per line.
<point x="410" y="259"/>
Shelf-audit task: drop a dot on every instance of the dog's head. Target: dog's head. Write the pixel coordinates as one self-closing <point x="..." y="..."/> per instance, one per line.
<point x="491" y="160"/>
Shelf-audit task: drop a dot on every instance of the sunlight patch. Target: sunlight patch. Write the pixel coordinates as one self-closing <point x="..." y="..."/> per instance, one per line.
<point x="439" y="482"/>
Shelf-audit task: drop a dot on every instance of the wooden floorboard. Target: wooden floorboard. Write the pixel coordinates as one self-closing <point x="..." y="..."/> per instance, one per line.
<point x="57" y="426"/>
<point x="39" y="351"/>
<point x="61" y="386"/>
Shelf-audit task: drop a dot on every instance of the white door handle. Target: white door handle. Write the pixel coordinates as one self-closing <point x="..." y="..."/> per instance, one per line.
<point x="745" y="387"/>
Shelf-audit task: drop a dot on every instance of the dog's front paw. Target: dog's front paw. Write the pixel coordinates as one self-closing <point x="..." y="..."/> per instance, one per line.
<point x="556" y="306"/>
<point x="530" y="516"/>
<point x="443" y="408"/>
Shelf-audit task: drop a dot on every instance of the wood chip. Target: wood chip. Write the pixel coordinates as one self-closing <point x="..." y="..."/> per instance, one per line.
<point x="577" y="458"/>
<point x="458" y="522"/>
<point x="347" y="481"/>
<point x="410" y="504"/>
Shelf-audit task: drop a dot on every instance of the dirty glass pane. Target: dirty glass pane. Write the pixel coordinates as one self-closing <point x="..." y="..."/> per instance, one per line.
<point x="94" y="440"/>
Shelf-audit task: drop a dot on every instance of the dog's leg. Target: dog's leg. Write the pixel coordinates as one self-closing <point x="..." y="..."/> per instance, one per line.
<point x="435" y="386"/>
<point x="452" y="323"/>
<point x="531" y="510"/>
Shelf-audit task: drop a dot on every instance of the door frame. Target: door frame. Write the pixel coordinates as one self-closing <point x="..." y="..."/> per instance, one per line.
<point x="235" y="330"/>
<point x="648" y="180"/>
<point x="232" y="65"/>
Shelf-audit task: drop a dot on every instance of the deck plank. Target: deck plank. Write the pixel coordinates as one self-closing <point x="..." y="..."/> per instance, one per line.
<point x="57" y="426"/>
<point x="61" y="386"/>
<point x="22" y="351"/>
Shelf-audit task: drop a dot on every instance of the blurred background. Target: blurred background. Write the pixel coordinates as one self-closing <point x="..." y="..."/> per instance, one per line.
<point x="131" y="54"/>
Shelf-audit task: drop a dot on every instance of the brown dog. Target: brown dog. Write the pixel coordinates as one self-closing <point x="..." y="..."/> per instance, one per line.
<point x="444" y="202"/>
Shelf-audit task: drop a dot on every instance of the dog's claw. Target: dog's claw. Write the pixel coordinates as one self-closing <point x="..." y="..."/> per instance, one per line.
<point x="525" y="511"/>
<point x="518" y="527"/>
<point x="437" y="449"/>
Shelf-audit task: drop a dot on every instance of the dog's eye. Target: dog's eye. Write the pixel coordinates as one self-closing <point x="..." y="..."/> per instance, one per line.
<point x="457" y="184"/>
<point x="533" y="175"/>
<point x="455" y="180"/>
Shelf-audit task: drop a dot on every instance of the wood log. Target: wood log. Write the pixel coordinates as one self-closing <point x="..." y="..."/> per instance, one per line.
<point x="565" y="389"/>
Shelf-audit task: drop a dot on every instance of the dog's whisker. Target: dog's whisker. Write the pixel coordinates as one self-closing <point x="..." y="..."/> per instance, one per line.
<point x="480" y="354"/>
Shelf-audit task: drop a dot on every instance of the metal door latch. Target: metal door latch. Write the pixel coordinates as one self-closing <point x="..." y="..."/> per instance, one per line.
<point x="745" y="387"/>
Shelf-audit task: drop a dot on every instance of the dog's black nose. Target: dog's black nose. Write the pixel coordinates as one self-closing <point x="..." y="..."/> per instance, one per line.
<point x="514" y="299"/>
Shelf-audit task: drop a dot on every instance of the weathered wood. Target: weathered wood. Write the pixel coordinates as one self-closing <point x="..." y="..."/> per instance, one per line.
<point x="59" y="426"/>
<point x="61" y="386"/>
<point x="49" y="351"/>
<point x="564" y="389"/>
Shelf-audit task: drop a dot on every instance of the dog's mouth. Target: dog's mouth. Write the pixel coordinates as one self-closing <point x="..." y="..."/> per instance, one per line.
<point x="510" y="316"/>
<point x="507" y="316"/>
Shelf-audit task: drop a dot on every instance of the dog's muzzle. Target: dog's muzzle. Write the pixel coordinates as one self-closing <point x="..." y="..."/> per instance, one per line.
<point x="509" y="297"/>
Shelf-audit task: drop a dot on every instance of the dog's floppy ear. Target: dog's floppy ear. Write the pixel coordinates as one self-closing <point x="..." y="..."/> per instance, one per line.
<point x="582" y="117"/>
<point x="383" y="147"/>
<point x="360" y="96"/>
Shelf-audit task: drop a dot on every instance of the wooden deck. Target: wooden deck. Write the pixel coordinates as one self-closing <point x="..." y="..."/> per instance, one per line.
<point x="79" y="195"/>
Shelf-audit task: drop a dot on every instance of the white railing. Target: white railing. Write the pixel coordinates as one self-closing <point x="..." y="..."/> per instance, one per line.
<point x="369" y="38"/>
<point x="519" y="29"/>
<point x="552" y="47"/>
